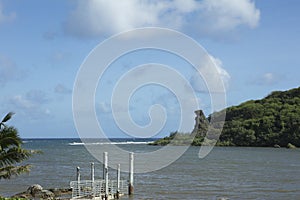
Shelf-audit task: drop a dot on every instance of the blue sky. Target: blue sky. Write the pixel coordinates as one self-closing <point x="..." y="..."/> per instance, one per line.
<point x="43" y="44"/>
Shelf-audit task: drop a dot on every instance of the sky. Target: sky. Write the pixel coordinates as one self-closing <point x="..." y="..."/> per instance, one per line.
<point x="254" y="44"/>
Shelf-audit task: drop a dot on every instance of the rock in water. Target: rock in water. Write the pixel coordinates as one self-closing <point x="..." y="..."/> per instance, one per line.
<point x="37" y="192"/>
<point x="34" y="189"/>
<point x="291" y="146"/>
<point x="45" y="194"/>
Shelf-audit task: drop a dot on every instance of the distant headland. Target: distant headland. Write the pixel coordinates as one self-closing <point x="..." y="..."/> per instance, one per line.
<point x="273" y="121"/>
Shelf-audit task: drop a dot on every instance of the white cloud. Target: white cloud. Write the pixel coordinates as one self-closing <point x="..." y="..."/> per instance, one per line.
<point x="61" y="89"/>
<point x="50" y="35"/>
<point x="31" y="105"/>
<point x="4" y="17"/>
<point x="104" y="107"/>
<point x="20" y="102"/>
<point x="9" y="71"/>
<point x="37" y="96"/>
<point x="59" y="57"/>
<point x="268" y="79"/>
<point x="222" y="73"/>
<point x="206" y="17"/>
<point x="211" y="77"/>
<point x="226" y="15"/>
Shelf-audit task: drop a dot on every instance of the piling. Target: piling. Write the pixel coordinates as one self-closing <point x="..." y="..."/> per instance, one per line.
<point x="78" y="179"/>
<point x="105" y="158"/>
<point x="130" y="185"/>
<point x="118" y="180"/>
<point x="92" y="172"/>
<point x="93" y="177"/>
<point x="105" y="173"/>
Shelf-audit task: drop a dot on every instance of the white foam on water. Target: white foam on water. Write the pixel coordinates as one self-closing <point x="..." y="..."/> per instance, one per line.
<point x="105" y="143"/>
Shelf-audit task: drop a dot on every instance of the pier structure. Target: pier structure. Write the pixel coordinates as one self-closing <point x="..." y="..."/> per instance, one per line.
<point x="103" y="189"/>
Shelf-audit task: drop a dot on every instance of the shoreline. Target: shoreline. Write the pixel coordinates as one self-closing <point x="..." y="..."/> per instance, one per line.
<point x="36" y="191"/>
<point x="289" y="146"/>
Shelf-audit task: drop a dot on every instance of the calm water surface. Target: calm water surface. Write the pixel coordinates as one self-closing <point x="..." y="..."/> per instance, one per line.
<point x="229" y="172"/>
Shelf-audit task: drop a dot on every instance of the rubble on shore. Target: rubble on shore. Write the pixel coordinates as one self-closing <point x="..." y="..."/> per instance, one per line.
<point x="38" y="192"/>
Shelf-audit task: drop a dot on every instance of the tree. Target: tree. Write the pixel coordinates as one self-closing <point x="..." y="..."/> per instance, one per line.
<point x="11" y="152"/>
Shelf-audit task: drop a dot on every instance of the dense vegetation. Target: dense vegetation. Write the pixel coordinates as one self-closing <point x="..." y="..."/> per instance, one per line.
<point x="272" y="121"/>
<point x="11" y="152"/>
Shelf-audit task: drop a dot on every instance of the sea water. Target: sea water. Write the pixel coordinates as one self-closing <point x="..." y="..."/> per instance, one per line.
<point x="227" y="172"/>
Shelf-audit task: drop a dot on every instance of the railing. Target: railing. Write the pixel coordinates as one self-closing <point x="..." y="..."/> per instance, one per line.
<point x="103" y="188"/>
<point x="93" y="189"/>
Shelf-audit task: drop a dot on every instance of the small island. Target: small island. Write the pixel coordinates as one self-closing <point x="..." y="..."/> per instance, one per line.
<point x="273" y="121"/>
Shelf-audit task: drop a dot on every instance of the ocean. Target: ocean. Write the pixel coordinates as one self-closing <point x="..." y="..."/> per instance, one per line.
<point x="227" y="172"/>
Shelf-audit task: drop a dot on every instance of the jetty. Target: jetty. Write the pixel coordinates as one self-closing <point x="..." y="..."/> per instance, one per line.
<point x="104" y="188"/>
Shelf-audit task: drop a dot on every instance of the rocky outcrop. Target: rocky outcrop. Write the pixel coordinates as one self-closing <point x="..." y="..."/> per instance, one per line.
<point x="201" y="124"/>
<point x="45" y="194"/>
<point x="34" y="189"/>
<point x="37" y="192"/>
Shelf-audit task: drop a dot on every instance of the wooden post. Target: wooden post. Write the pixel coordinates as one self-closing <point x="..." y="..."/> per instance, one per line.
<point x="118" y="180"/>
<point x="130" y="185"/>
<point x="105" y="173"/>
<point x="78" y="180"/>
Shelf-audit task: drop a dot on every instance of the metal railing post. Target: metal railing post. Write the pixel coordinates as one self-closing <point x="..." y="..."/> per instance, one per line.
<point x="131" y="168"/>
<point x="78" y="180"/>
<point x="93" y="178"/>
<point x="118" y="180"/>
<point x="105" y="173"/>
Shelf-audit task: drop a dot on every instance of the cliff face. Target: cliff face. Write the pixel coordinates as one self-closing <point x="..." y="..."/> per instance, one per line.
<point x="201" y="124"/>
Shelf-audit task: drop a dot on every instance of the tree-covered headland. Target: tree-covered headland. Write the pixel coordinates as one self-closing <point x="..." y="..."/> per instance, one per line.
<point x="271" y="121"/>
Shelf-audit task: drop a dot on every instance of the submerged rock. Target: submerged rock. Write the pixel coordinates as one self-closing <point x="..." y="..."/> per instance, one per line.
<point x="291" y="146"/>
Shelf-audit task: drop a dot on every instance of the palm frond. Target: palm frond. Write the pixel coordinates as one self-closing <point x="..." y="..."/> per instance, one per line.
<point x="9" y="171"/>
<point x="11" y="152"/>
<point x="9" y="137"/>
<point x="13" y="155"/>
<point x="7" y="117"/>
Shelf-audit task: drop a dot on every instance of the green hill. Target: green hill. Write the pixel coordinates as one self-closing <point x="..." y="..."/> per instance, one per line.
<point x="271" y="121"/>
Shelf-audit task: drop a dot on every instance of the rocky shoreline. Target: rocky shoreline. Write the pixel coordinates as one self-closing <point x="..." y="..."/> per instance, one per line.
<point x="38" y="192"/>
